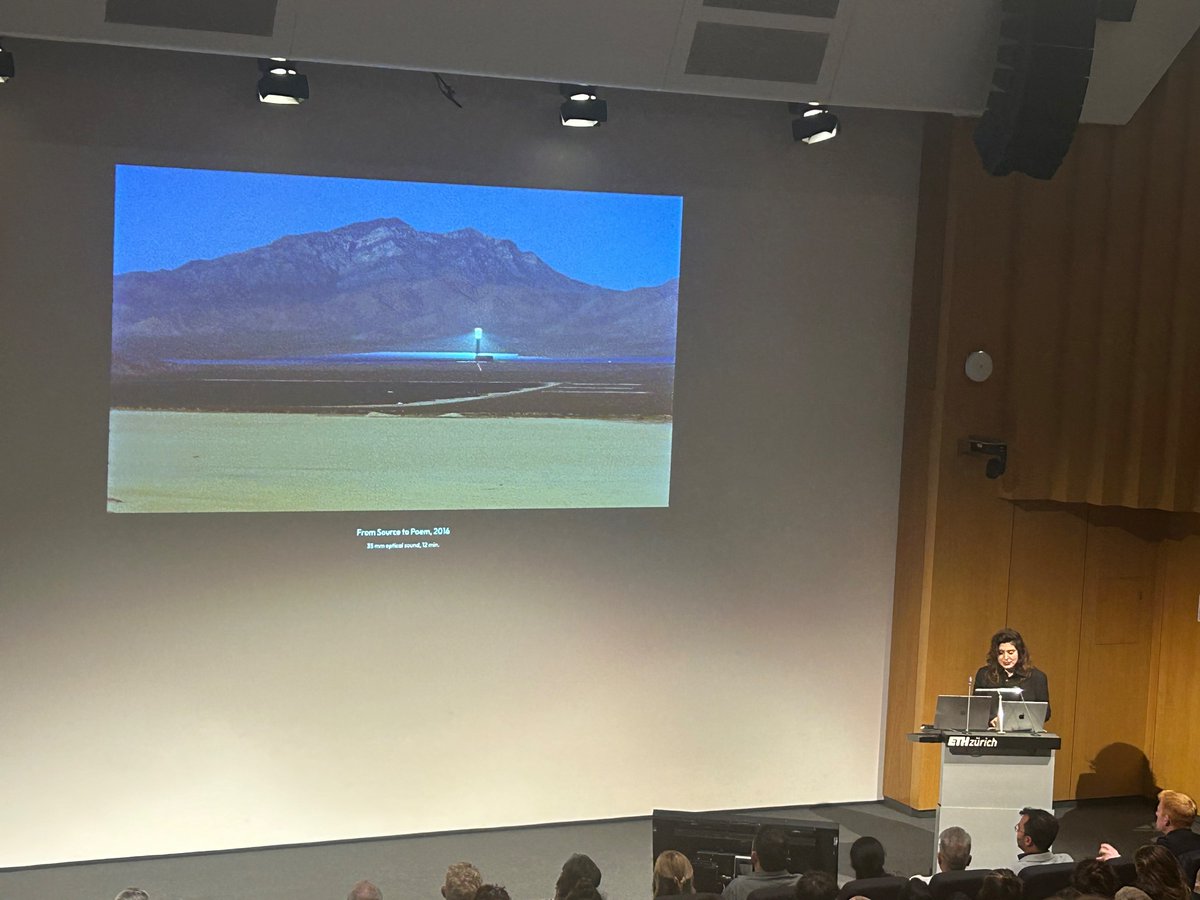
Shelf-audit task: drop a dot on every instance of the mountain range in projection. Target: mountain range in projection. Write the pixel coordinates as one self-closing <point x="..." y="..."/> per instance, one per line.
<point x="380" y="285"/>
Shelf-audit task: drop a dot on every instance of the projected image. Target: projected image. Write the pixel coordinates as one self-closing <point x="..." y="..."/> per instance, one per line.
<point x="284" y="342"/>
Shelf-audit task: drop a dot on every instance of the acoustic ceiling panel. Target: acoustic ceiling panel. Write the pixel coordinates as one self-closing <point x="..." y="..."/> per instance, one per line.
<point x="757" y="54"/>
<point x="253" y="17"/>
<point x="819" y="9"/>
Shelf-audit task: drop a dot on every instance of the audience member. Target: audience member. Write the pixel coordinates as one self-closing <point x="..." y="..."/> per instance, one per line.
<point x="576" y="871"/>
<point x="768" y="855"/>
<point x="492" y="892"/>
<point x="1094" y="876"/>
<point x="1158" y="876"/>
<point x="364" y="890"/>
<point x="584" y="890"/>
<point x="953" y="852"/>
<point x="133" y="894"/>
<point x="816" y="885"/>
<point x="1002" y="884"/>
<point x="672" y="875"/>
<point x="1173" y="818"/>
<point x="1036" y="831"/>
<point x="866" y="858"/>
<point x="462" y="881"/>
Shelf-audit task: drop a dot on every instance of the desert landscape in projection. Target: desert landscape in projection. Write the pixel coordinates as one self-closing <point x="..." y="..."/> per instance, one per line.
<point x="378" y="366"/>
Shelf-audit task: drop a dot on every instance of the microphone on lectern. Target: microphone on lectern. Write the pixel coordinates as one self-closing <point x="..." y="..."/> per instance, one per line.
<point x="970" y="690"/>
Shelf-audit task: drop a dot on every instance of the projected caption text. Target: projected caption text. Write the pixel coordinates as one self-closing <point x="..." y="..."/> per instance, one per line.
<point x="411" y="538"/>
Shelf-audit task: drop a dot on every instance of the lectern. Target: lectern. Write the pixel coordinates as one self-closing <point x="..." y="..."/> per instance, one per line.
<point x="987" y="777"/>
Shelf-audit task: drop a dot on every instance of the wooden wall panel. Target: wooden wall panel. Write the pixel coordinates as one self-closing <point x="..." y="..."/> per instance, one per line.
<point x="1045" y="603"/>
<point x="1083" y="289"/>
<point x="1177" y="701"/>
<point x="1116" y="419"/>
<point x="1112" y="706"/>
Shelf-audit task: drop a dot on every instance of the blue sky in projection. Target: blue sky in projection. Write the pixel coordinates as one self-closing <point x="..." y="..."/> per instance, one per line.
<point x="166" y="217"/>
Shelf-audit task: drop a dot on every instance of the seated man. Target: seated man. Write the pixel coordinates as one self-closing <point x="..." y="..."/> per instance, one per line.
<point x="769" y="857"/>
<point x="1036" y="831"/>
<point x="578" y="872"/>
<point x="867" y="857"/>
<point x="953" y="853"/>
<point x="1173" y="821"/>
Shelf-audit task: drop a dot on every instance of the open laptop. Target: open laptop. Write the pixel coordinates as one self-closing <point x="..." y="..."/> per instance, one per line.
<point x="1020" y="715"/>
<point x="951" y="713"/>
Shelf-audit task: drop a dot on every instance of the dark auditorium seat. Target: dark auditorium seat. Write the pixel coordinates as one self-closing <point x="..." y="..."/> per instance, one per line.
<point x="1041" y="882"/>
<point x="887" y="888"/>
<point x="1190" y="862"/>
<point x="945" y="885"/>
<point x="774" y="892"/>
<point x="1125" y="869"/>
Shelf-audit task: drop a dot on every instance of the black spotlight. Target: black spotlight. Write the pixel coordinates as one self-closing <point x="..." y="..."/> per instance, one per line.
<point x="816" y="123"/>
<point x="280" y="83"/>
<point x="582" y="108"/>
<point x="7" y="67"/>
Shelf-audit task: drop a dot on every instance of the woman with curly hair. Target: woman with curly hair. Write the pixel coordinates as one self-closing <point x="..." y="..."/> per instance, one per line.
<point x="1008" y="665"/>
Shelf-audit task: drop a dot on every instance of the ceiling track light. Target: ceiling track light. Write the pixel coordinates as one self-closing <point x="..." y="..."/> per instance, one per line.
<point x="280" y="84"/>
<point x="816" y="122"/>
<point x="582" y="108"/>
<point x="7" y="67"/>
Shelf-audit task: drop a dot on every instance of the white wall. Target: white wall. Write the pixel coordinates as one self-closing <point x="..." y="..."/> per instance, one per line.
<point x="172" y="683"/>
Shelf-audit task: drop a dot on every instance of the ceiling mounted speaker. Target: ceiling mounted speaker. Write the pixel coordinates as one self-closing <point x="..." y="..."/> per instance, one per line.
<point x="1040" y="81"/>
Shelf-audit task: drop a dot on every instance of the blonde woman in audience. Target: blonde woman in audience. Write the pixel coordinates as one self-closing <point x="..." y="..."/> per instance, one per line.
<point x="672" y="875"/>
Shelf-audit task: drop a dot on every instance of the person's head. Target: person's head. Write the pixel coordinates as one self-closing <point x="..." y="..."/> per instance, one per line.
<point x="866" y="857"/>
<point x="1001" y="884"/>
<point x="577" y="870"/>
<point x="1008" y="652"/>
<point x="364" y="890"/>
<point x="769" y="852"/>
<point x="133" y="894"/>
<point x="492" y="892"/>
<point x="462" y="881"/>
<point x="1175" y="810"/>
<point x="1036" y="830"/>
<point x="954" y="849"/>
<point x="816" y="885"/>
<point x="672" y="874"/>
<point x="1095" y="876"/>
<point x="915" y="889"/>
<point x="1159" y="874"/>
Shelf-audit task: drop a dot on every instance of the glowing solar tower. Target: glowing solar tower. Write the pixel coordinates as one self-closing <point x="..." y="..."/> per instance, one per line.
<point x="478" y="339"/>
